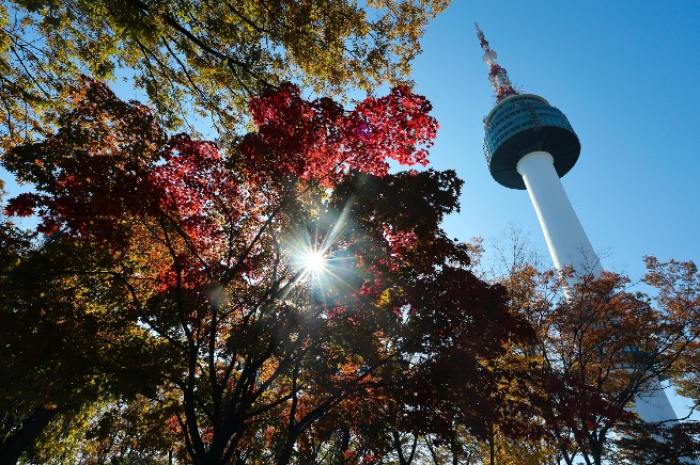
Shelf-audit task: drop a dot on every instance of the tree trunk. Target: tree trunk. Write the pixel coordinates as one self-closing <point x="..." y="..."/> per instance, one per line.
<point x="26" y="436"/>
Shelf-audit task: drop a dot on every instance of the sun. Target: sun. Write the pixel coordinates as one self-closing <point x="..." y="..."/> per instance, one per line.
<point x="316" y="255"/>
<point x="314" y="261"/>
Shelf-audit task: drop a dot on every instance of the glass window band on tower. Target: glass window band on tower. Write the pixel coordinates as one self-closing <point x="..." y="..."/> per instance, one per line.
<point x="521" y="124"/>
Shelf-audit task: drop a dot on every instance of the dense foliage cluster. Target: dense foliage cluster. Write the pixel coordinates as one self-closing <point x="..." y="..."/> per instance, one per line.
<point x="199" y="58"/>
<point x="200" y="250"/>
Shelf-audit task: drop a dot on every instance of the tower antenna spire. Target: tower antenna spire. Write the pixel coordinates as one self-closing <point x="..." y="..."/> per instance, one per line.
<point x="498" y="76"/>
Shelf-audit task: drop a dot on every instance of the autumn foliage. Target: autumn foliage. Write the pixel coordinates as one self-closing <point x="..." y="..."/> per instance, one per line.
<point x="199" y="58"/>
<point x="267" y="362"/>
<point x="602" y="351"/>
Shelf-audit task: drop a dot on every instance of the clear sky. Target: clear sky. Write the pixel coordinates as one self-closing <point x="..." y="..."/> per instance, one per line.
<point x="626" y="75"/>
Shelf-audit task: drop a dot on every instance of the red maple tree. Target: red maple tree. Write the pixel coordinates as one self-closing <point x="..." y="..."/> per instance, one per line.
<point x="269" y="360"/>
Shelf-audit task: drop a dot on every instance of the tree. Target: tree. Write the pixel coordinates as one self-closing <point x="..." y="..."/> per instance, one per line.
<point x="198" y="58"/>
<point x="677" y="284"/>
<point x="63" y="342"/>
<point x="673" y="444"/>
<point x="299" y="292"/>
<point x="603" y="346"/>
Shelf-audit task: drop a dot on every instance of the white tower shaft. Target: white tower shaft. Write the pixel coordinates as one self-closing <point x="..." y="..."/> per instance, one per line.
<point x="652" y="405"/>
<point x="567" y="241"/>
<point x="569" y="247"/>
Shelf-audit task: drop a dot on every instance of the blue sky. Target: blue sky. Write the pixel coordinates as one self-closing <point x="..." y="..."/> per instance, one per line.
<point x="625" y="74"/>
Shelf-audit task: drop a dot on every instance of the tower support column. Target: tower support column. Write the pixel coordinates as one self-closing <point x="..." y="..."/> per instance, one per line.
<point x="566" y="239"/>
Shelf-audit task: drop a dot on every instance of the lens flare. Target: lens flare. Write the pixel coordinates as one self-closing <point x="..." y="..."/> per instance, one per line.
<point x="318" y="253"/>
<point x="314" y="261"/>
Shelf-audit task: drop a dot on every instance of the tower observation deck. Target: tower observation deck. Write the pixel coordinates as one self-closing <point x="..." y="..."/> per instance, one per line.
<point x="521" y="124"/>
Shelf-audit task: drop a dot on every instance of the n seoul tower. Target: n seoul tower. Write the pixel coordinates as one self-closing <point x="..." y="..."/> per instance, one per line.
<point x="529" y="144"/>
